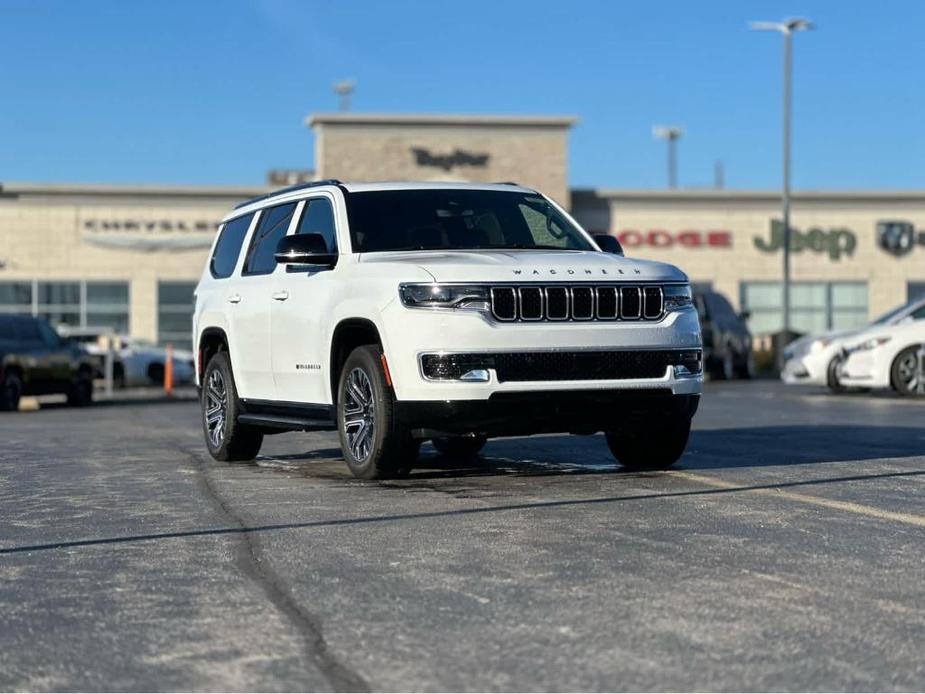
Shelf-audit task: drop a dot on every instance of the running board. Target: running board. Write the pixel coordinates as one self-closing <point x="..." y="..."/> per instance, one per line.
<point x="286" y="423"/>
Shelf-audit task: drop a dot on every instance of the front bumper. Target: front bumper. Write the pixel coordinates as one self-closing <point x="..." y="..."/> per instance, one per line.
<point x="538" y="412"/>
<point x="411" y="333"/>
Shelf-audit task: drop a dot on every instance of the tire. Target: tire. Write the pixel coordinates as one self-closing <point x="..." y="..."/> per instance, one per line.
<point x="226" y="439"/>
<point x="156" y="374"/>
<point x="81" y="392"/>
<point x="904" y="376"/>
<point x="374" y="443"/>
<point x="746" y="370"/>
<point x="459" y="447"/>
<point x="831" y="376"/>
<point x="10" y="392"/>
<point x="651" y="449"/>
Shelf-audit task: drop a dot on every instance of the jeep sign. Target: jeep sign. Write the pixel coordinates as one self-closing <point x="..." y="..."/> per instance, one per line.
<point x="834" y="242"/>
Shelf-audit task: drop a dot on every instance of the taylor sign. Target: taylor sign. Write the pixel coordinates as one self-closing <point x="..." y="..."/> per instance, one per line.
<point x="459" y="157"/>
<point x="689" y="238"/>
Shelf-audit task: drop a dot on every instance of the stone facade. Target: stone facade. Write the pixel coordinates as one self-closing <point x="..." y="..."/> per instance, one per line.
<point x="532" y="151"/>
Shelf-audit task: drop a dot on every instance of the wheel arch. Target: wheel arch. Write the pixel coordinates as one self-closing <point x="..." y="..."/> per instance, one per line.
<point x="348" y="334"/>
<point x="211" y="341"/>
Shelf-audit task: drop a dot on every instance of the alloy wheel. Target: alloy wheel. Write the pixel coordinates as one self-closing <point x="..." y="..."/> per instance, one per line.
<point x="359" y="414"/>
<point x="216" y="407"/>
<point x="908" y="370"/>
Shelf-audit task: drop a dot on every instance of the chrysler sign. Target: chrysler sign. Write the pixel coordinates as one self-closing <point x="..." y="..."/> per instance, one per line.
<point x="148" y="234"/>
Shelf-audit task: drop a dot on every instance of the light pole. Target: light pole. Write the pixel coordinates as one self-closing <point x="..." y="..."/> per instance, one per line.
<point x="671" y="134"/>
<point x="786" y="29"/>
<point x="344" y="90"/>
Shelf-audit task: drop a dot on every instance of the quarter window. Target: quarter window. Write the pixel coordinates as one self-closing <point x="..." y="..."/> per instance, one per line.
<point x="274" y="222"/>
<point x="230" y="240"/>
<point x="318" y="218"/>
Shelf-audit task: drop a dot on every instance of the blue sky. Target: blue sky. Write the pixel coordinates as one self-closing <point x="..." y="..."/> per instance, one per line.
<point x="216" y="92"/>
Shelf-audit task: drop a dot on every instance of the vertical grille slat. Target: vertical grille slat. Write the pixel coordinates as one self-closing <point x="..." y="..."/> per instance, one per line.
<point x="630" y="303"/>
<point x="584" y="302"/>
<point x="557" y="303"/>
<point x="652" y="303"/>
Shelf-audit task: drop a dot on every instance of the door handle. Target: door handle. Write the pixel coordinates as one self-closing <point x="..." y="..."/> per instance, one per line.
<point x="235" y="298"/>
<point x="281" y="295"/>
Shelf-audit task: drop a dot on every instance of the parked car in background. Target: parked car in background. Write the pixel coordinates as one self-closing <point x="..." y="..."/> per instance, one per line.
<point x="35" y="360"/>
<point x="135" y="362"/>
<point x="727" y="342"/>
<point x="818" y="359"/>
<point x="885" y="356"/>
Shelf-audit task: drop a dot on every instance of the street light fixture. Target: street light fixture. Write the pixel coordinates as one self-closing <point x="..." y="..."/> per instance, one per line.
<point x="786" y="29"/>
<point x="671" y="134"/>
<point x="344" y="90"/>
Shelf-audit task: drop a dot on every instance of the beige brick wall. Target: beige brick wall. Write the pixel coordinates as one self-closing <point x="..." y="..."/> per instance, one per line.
<point x="46" y="241"/>
<point x="533" y="155"/>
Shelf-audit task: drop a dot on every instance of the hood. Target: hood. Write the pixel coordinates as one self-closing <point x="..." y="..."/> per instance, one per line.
<point x="530" y="266"/>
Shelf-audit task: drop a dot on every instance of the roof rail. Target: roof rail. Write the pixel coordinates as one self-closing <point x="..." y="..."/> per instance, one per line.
<point x="290" y="189"/>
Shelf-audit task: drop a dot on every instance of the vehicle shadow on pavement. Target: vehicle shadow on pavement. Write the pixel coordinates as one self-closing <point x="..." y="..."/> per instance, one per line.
<point x="799" y="445"/>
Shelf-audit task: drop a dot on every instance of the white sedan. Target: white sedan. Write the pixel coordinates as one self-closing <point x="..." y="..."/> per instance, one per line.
<point x="817" y="360"/>
<point x="886" y="357"/>
<point x="137" y="363"/>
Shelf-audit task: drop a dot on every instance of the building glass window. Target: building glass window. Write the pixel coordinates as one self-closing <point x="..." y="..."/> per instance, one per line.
<point x="175" y="313"/>
<point x="914" y="290"/>
<point x="814" y="306"/>
<point x="16" y="297"/>
<point x="74" y="304"/>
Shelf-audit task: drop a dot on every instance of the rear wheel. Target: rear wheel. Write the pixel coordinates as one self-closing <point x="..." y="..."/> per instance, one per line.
<point x="460" y="447"/>
<point x="904" y="374"/>
<point x="653" y="448"/>
<point x="375" y="444"/>
<point x="226" y="438"/>
<point x="10" y="392"/>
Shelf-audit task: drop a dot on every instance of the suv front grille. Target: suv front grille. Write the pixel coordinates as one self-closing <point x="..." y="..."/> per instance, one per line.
<point x="563" y="366"/>
<point x="577" y="303"/>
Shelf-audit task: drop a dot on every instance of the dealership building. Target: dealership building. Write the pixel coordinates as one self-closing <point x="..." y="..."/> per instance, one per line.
<point x="128" y="257"/>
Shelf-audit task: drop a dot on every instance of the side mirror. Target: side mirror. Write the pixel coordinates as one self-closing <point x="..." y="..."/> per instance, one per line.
<point x="304" y="249"/>
<point x="608" y="244"/>
<point x="745" y="315"/>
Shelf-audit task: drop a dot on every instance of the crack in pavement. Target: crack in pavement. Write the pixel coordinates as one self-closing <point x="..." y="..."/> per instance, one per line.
<point x="340" y="677"/>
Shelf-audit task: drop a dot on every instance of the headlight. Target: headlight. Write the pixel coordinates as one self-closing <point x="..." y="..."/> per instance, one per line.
<point x="467" y="297"/>
<point x="872" y="343"/>
<point x="820" y="344"/>
<point x="677" y="297"/>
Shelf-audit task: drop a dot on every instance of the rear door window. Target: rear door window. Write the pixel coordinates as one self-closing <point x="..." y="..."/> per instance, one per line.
<point x="228" y="248"/>
<point x="274" y="222"/>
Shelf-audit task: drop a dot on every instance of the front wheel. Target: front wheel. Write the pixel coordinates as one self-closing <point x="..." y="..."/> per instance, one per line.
<point x="375" y="444"/>
<point x="831" y="375"/>
<point x="904" y="374"/>
<point x="226" y="438"/>
<point x="655" y="448"/>
<point x="81" y="392"/>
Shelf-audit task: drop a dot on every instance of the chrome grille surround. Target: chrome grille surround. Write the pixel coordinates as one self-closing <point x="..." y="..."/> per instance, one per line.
<point x="578" y="302"/>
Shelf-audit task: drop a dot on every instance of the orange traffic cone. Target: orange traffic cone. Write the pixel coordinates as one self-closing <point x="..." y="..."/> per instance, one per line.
<point x="168" y="371"/>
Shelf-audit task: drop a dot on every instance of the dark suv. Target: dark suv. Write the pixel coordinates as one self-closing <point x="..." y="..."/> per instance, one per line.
<point x="727" y="343"/>
<point x="35" y="360"/>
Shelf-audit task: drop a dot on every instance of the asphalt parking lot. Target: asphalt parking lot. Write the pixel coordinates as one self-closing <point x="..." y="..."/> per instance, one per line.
<point x="785" y="552"/>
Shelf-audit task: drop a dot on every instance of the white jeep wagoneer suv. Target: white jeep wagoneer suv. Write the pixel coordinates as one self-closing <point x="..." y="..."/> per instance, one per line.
<point x="400" y="312"/>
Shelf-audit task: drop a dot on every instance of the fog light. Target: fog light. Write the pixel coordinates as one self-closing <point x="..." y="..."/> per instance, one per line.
<point x="457" y="367"/>
<point x="688" y="363"/>
<point x="476" y="375"/>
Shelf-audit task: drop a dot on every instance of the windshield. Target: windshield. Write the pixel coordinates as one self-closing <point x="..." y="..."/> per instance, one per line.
<point x="891" y="316"/>
<point x="400" y="220"/>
